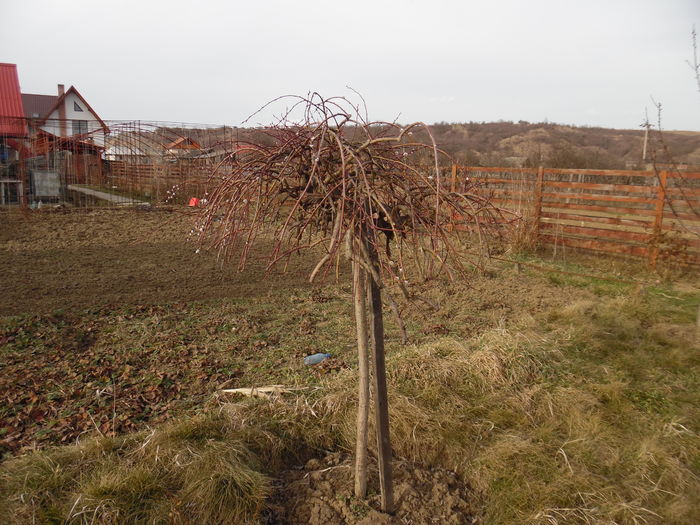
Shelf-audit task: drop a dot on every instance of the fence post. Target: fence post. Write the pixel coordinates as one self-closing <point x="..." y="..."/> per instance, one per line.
<point x="658" y="219"/>
<point x="24" y="181"/>
<point x="537" y="212"/>
<point x="453" y="180"/>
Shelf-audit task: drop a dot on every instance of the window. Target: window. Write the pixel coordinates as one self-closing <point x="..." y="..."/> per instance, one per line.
<point x="76" y="107"/>
<point x="80" y="127"/>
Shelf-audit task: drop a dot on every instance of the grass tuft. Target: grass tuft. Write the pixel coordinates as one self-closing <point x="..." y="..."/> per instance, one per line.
<point x="584" y="413"/>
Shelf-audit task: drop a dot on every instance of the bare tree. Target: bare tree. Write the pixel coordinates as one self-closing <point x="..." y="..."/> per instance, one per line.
<point x="695" y="65"/>
<point x="683" y="190"/>
<point x="339" y="183"/>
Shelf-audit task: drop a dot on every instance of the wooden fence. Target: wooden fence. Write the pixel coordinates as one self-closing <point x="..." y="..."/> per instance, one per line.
<point x="169" y="182"/>
<point x="649" y="214"/>
<point x="637" y="213"/>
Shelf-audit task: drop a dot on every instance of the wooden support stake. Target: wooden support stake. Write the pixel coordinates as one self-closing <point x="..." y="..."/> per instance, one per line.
<point x="360" y="293"/>
<point x="658" y="219"/>
<point x="381" y="401"/>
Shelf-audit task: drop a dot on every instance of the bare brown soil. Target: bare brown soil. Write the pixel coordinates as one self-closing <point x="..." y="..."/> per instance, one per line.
<point x="59" y="260"/>
<point x="110" y="320"/>
<point x="320" y="493"/>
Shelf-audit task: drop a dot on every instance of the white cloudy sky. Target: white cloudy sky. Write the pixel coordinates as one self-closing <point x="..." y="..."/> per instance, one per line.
<point x="588" y="62"/>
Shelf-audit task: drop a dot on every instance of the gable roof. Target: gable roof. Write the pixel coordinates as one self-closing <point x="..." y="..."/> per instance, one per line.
<point x="11" y="111"/>
<point x="60" y="99"/>
<point x="183" y="143"/>
<point x="38" y="106"/>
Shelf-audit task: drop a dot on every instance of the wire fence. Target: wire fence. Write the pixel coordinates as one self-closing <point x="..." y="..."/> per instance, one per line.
<point x="82" y="164"/>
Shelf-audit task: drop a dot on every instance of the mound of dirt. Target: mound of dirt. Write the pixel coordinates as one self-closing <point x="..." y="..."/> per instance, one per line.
<point x="321" y="493"/>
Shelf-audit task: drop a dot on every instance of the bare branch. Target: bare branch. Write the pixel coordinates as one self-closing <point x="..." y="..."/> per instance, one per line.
<point x="335" y="174"/>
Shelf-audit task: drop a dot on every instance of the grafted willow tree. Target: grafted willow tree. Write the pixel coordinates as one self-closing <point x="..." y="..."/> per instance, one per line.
<point x="343" y="186"/>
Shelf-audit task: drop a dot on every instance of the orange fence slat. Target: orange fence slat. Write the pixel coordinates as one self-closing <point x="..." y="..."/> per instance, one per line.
<point x="602" y="173"/>
<point x="628" y="217"/>
<point x="593" y="197"/>
<point x="684" y="174"/>
<point x="602" y="187"/>
<point x="619" y="221"/>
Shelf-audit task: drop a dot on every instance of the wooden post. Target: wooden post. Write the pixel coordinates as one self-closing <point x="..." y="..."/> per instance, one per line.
<point x="360" y="293"/>
<point x="24" y="181"/>
<point x="658" y="219"/>
<point x="537" y="212"/>
<point x="381" y="401"/>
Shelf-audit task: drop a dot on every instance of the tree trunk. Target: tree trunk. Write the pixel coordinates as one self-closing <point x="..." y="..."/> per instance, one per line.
<point x="360" y="293"/>
<point x="381" y="412"/>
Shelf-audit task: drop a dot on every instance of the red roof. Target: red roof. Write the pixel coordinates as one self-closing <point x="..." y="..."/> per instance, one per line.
<point x="12" y="121"/>
<point x="183" y="143"/>
<point x="38" y="106"/>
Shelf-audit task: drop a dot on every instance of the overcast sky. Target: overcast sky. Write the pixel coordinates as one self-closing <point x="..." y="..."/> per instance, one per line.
<point x="588" y="62"/>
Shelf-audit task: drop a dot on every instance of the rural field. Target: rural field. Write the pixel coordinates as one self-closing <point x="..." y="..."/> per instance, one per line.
<point x="555" y="392"/>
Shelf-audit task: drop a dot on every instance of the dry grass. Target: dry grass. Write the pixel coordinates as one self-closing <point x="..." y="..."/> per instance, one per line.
<point x="557" y="399"/>
<point x="195" y="470"/>
<point x="584" y="414"/>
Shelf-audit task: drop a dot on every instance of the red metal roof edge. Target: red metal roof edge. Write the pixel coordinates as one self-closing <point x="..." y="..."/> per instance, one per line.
<point x="11" y="101"/>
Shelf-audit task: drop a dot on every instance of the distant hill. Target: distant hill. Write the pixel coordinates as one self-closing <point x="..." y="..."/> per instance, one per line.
<point x="524" y="144"/>
<point x="559" y="146"/>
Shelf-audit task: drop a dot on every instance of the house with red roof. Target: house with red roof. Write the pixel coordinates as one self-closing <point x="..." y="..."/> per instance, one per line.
<point x="66" y="115"/>
<point x="47" y="142"/>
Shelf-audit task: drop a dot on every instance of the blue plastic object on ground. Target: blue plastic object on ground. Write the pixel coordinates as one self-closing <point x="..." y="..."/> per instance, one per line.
<point x="315" y="358"/>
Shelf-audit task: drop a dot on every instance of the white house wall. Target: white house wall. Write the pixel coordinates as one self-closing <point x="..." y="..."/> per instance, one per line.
<point x="53" y="124"/>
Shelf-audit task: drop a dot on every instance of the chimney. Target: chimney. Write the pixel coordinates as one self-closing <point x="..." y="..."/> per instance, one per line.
<point x="62" y="124"/>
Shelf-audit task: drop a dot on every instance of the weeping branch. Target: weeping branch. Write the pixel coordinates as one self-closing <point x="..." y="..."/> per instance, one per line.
<point x="334" y="174"/>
